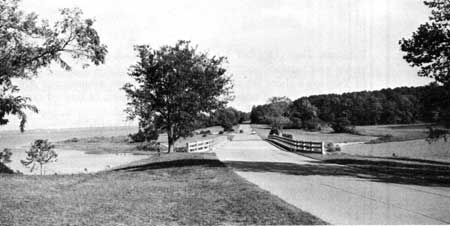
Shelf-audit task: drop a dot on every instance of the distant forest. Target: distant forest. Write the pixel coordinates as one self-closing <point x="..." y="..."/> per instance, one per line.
<point x="387" y="106"/>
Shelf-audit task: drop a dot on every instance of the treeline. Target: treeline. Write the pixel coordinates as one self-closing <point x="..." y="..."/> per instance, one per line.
<point x="225" y="117"/>
<point x="386" y="106"/>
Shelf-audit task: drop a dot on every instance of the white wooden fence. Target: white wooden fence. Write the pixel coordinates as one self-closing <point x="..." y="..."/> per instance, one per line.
<point x="204" y="145"/>
<point x="296" y="145"/>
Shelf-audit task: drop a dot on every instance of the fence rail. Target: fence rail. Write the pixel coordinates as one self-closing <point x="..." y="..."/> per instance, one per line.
<point x="296" y="145"/>
<point x="204" y="145"/>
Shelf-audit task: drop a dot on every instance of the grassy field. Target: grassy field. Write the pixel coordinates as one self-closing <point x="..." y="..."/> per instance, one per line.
<point x="263" y="131"/>
<point x="412" y="149"/>
<point x="391" y="133"/>
<point x="381" y="141"/>
<point x="100" y="145"/>
<point x="179" y="188"/>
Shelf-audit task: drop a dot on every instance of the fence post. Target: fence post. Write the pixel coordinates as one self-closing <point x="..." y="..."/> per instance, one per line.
<point x="324" y="152"/>
<point x="187" y="146"/>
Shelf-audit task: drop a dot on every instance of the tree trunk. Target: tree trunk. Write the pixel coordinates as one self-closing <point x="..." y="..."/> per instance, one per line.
<point x="41" y="169"/>
<point x="170" y="139"/>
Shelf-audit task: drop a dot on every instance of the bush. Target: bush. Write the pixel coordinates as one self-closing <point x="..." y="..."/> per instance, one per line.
<point x="221" y="132"/>
<point x="205" y="132"/>
<point x="149" y="146"/>
<point x="434" y="134"/>
<point x="5" y="156"/>
<point x="342" y="125"/>
<point x="274" y="131"/>
<point x="312" y="124"/>
<point x="331" y="147"/>
<point x="241" y="131"/>
<point x="73" y="140"/>
<point x="287" y="135"/>
<point x="384" y="139"/>
<point x="180" y="149"/>
<point x="142" y="136"/>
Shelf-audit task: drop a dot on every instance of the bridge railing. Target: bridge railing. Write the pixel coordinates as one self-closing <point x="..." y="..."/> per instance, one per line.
<point x="298" y="146"/>
<point x="204" y="145"/>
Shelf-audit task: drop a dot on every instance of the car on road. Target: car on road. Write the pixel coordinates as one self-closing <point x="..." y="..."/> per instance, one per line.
<point x="253" y="132"/>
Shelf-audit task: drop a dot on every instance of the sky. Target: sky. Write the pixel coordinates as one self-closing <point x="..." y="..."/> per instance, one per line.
<point x="290" y="48"/>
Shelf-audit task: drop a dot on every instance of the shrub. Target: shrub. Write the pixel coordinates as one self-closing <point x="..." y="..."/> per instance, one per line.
<point x="180" y="149"/>
<point x="287" y="135"/>
<point x="221" y="132"/>
<point x="241" y="131"/>
<point x="5" y="156"/>
<point x="312" y="124"/>
<point x="149" y="146"/>
<point x="434" y="134"/>
<point x="73" y="140"/>
<point x="207" y="132"/>
<point x="342" y="125"/>
<point x="274" y="131"/>
<point x="142" y="136"/>
<point x="384" y="139"/>
<point x="331" y="147"/>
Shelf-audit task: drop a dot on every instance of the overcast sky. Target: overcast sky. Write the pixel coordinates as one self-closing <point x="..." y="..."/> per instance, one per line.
<point x="288" y="48"/>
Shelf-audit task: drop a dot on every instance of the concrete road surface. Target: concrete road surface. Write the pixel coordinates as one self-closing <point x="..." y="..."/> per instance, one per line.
<point x="334" y="193"/>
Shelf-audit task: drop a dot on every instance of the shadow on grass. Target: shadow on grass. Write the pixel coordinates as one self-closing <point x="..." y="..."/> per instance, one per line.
<point x="173" y="164"/>
<point x="378" y="171"/>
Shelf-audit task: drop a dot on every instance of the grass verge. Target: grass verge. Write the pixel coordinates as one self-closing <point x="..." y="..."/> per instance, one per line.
<point x="178" y="188"/>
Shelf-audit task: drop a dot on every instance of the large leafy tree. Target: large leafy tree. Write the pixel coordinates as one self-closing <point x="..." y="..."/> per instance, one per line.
<point x="429" y="50"/>
<point x="28" y="44"/>
<point x="174" y="86"/>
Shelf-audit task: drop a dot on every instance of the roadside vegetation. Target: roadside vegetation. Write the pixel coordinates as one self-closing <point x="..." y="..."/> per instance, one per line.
<point x="341" y="113"/>
<point x="176" y="188"/>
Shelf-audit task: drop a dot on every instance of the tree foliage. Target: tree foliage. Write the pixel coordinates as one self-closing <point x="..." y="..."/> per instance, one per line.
<point x="28" y="44"/>
<point x="5" y="156"/>
<point x="386" y="106"/>
<point x="174" y="86"/>
<point x="429" y="49"/>
<point x="40" y="153"/>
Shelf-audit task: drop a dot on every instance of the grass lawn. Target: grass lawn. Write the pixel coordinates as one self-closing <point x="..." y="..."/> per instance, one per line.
<point x="177" y="188"/>
<point x="395" y="132"/>
<point x="263" y="131"/>
<point x="382" y="169"/>
<point x="100" y="145"/>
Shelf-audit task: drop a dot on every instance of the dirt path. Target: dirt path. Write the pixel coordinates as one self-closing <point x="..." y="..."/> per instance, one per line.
<point x="337" y="194"/>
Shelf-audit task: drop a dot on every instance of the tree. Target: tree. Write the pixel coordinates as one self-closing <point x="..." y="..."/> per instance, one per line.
<point x="28" y="44"/>
<point x="428" y="49"/>
<point x="40" y="153"/>
<point x="174" y="85"/>
<point x="277" y="110"/>
<point x="304" y="114"/>
<point x="5" y="156"/>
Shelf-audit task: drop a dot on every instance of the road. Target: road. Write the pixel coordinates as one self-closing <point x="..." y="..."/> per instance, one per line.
<point x="334" y="193"/>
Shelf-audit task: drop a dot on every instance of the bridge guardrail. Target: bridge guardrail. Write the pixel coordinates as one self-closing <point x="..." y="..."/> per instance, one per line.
<point x="298" y="146"/>
<point x="204" y="145"/>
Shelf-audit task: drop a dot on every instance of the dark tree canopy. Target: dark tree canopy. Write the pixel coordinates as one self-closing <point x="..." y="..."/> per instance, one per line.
<point x="386" y="106"/>
<point x="429" y="50"/>
<point x="174" y="86"/>
<point x="28" y="44"/>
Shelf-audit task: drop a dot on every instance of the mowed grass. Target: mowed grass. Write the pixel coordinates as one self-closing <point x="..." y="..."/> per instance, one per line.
<point x="411" y="149"/>
<point x="100" y="145"/>
<point x="395" y="132"/>
<point x="173" y="189"/>
<point x="327" y="137"/>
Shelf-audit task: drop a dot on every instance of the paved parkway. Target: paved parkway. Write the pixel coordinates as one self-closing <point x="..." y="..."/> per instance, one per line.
<point x="336" y="194"/>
